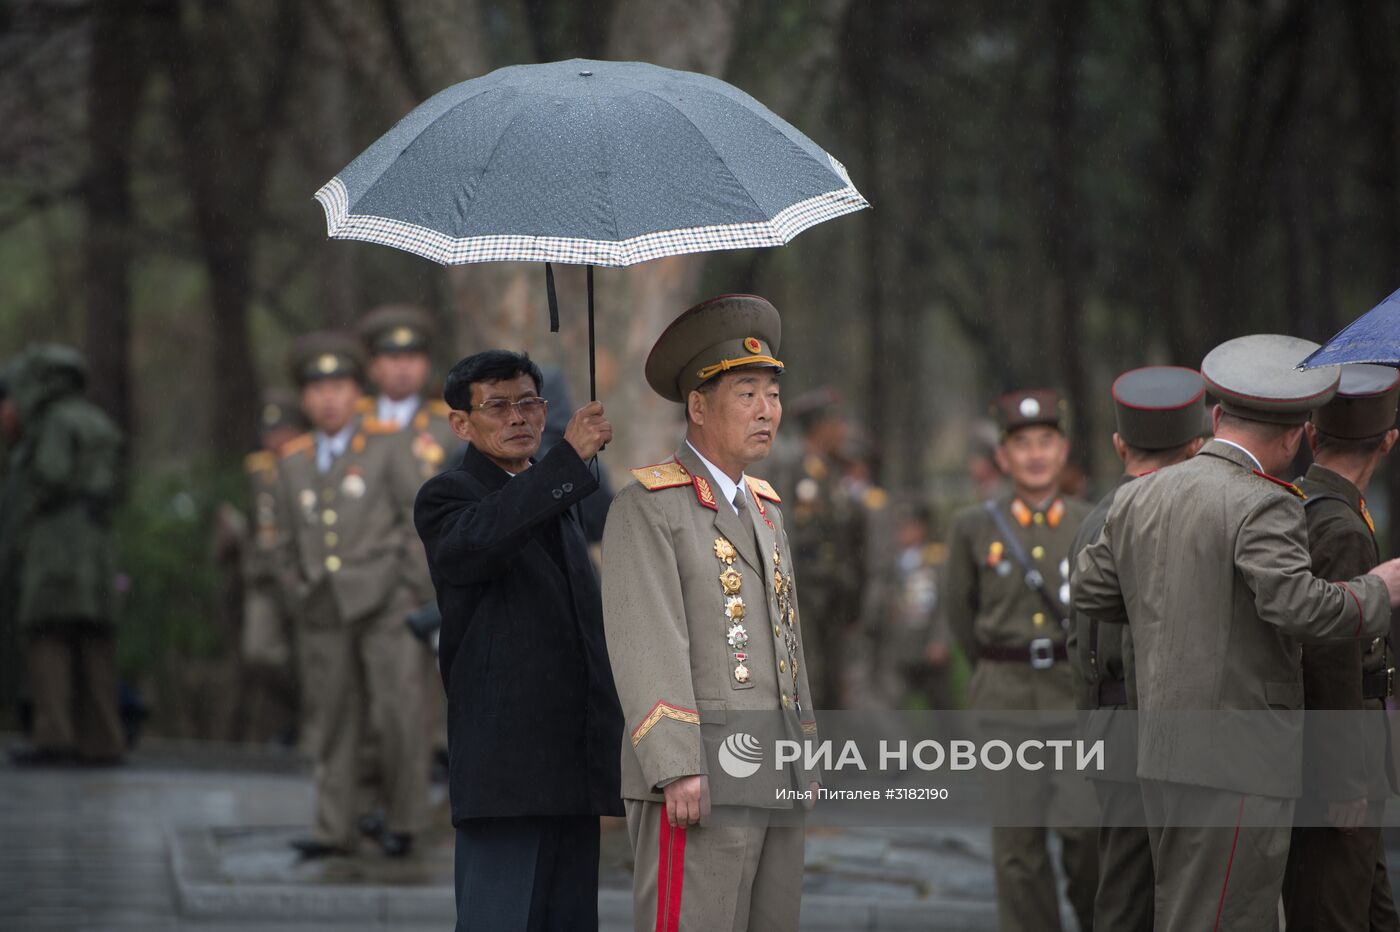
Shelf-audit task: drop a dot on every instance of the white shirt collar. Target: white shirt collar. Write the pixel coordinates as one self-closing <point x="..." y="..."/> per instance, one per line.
<point x="329" y="447"/>
<point x="397" y="413"/>
<point x="1257" y="465"/>
<point x="727" y="486"/>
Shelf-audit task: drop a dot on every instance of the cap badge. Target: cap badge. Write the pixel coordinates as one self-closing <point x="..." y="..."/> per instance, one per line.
<point x="752" y="345"/>
<point x="326" y="364"/>
<point x="402" y="336"/>
<point x="1030" y="407"/>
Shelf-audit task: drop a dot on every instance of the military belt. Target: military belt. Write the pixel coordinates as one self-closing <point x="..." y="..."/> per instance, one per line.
<point x="1040" y="653"/>
<point x="1112" y="692"/>
<point x="1378" y="684"/>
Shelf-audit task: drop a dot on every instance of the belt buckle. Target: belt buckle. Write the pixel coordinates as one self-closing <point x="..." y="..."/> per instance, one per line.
<point x="1042" y="654"/>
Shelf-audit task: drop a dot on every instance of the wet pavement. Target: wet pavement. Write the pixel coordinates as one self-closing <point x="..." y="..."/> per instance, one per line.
<point x="194" y="837"/>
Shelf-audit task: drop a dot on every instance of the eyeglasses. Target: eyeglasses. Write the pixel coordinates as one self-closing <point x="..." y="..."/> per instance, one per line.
<point x="499" y="408"/>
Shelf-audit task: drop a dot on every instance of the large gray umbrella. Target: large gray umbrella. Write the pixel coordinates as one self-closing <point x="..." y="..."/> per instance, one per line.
<point x="589" y="163"/>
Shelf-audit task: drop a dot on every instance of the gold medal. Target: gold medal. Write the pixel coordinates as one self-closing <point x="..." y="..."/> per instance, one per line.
<point x="734" y="608"/>
<point x="731" y="579"/>
<point x="725" y="551"/>
<point x="307" y="499"/>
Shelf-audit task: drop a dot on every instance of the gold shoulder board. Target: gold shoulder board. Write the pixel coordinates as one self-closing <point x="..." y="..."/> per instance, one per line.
<point x="364" y="404"/>
<point x="662" y="476"/>
<point x="373" y="425"/>
<point x="302" y="444"/>
<point x="261" y="461"/>
<point x="762" y="489"/>
<point x="439" y="408"/>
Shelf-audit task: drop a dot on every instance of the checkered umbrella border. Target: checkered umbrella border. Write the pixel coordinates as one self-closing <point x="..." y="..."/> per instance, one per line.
<point x="450" y="250"/>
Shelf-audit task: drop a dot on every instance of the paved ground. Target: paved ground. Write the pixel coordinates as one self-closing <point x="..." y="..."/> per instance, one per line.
<point x="192" y="837"/>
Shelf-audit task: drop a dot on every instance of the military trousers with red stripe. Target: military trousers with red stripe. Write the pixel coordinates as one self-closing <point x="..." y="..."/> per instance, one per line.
<point x="1219" y="857"/>
<point x="739" y="871"/>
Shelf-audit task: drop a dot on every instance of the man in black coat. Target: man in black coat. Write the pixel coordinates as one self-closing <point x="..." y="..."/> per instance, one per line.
<point x="534" y="725"/>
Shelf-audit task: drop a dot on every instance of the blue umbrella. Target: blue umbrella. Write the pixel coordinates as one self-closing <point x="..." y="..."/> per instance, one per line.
<point x="589" y="163"/>
<point x="1373" y="337"/>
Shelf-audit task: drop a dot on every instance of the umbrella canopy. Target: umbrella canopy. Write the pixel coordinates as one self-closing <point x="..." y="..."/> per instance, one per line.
<point x="1373" y="337"/>
<point x="589" y="163"/>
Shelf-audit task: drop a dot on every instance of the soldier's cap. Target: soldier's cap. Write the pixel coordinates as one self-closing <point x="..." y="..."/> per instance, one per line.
<point x="396" y="328"/>
<point x="1364" y="405"/>
<point x="326" y="354"/>
<point x="280" y="409"/>
<point x="1029" y="408"/>
<point x="1159" y="407"/>
<point x="1255" y="378"/>
<point x="811" y="408"/>
<point x="733" y="331"/>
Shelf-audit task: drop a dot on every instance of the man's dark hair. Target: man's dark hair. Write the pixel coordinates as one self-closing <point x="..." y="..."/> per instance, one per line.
<point x="1344" y="447"/>
<point x="1160" y="458"/>
<point x="490" y="366"/>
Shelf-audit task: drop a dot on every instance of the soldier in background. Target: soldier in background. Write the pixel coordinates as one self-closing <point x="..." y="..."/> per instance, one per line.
<point x="913" y="649"/>
<point x="1006" y="599"/>
<point x="1159" y="416"/>
<point x="397" y="338"/>
<point x="63" y="484"/>
<point x="355" y="568"/>
<point x="828" y="538"/>
<point x="269" y="692"/>
<point x="1336" y="876"/>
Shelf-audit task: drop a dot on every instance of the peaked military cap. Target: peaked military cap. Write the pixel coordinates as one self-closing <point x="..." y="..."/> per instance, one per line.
<point x="1029" y="408"/>
<point x="1364" y="405"/>
<point x="326" y="354"/>
<point x="1256" y="378"/>
<point x="280" y="409"/>
<point x="1159" y="407"/>
<point x="733" y="331"/>
<point x="396" y="328"/>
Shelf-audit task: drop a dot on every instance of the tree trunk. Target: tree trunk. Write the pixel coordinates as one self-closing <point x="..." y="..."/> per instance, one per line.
<point x="117" y="72"/>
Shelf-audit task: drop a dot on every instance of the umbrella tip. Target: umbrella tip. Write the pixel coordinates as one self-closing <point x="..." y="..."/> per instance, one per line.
<point x="585" y="74"/>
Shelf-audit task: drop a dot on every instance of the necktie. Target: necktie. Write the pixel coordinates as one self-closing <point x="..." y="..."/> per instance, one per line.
<point x="745" y="515"/>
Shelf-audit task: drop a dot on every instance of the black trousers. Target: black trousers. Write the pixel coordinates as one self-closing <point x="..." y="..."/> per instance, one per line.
<point x="528" y="874"/>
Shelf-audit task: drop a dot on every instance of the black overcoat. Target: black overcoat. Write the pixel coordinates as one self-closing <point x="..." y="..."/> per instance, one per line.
<point x="534" y="725"/>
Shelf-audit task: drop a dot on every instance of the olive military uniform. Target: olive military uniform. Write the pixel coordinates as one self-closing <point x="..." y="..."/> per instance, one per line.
<point x="700" y="607"/>
<point x="62" y="484"/>
<point x="1017" y="644"/>
<point x="1338" y="880"/>
<point x="1157" y="409"/>
<point x="1208" y="563"/>
<point x="356" y="568"/>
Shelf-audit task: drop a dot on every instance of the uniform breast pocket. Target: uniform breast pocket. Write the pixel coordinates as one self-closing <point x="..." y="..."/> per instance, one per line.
<point x="1284" y="695"/>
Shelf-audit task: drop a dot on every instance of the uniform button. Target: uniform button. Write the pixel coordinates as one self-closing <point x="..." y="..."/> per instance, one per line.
<point x="1039" y="518"/>
<point x="777" y="632"/>
<point x="328" y="517"/>
<point x="558" y="493"/>
<point x="333" y="564"/>
<point x="1038" y="552"/>
<point x="782" y="666"/>
<point x="568" y="487"/>
<point x="332" y="538"/>
<point x="1038" y="618"/>
<point x="787" y="703"/>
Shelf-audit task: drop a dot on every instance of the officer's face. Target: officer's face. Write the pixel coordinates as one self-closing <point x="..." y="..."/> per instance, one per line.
<point x="738" y="418"/>
<point x="329" y="404"/>
<point x="507" y="435"/>
<point x="1033" y="457"/>
<point x="399" y="375"/>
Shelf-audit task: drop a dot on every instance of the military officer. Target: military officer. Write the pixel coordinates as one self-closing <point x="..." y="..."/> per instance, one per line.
<point x="700" y="607"/>
<point x="912" y="645"/>
<point x="1159" y="414"/>
<point x="828" y="536"/>
<point x="1006" y="587"/>
<point x="1336" y="876"/>
<point x="397" y="337"/>
<point x="1208" y="563"/>
<point x="355" y="567"/>
<point x="267" y="629"/>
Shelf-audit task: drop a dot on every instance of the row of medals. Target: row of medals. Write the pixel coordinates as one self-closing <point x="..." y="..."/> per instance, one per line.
<point x="731" y="581"/>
